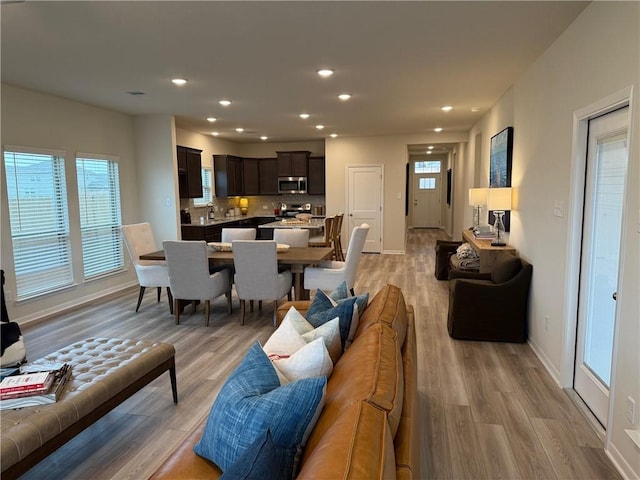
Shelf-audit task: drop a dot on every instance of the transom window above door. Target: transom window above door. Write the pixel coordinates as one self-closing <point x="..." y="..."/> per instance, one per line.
<point x="427" y="167"/>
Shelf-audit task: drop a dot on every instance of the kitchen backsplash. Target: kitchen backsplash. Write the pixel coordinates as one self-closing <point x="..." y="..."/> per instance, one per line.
<point x="256" y="204"/>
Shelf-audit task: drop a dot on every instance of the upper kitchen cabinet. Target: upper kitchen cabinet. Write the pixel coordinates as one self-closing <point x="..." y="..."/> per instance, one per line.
<point x="293" y="164"/>
<point x="229" y="179"/>
<point x="268" y="176"/>
<point x="189" y="172"/>
<point x="251" y="176"/>
<point x="316" y="177"/>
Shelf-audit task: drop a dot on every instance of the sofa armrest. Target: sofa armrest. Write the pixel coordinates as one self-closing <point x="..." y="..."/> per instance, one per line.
<point x="301" y="306"/>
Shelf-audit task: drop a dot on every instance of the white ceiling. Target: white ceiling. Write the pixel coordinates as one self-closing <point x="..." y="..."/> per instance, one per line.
<point x="401" y="61"/>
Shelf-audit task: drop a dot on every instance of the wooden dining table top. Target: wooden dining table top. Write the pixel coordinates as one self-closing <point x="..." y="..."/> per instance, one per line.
<point x="292" y="256"/>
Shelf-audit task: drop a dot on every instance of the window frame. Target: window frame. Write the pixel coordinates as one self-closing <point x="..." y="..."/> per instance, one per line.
<point x="203" y="201"/>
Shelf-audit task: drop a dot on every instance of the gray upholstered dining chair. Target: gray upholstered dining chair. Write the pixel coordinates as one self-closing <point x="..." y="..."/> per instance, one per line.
<point x="257" y="276"/>
<point x="139" y="239"/>
<point x="231" y="234"/>
<point x="294" y="237"/>
<point x="189" y="276"/>
<point x="328" y="275"/>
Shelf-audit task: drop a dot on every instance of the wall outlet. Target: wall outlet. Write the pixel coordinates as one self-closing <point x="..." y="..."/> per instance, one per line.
<point x="546" y="323"/>
<point x="8" y="295"/>
<point x="167" y="201"/>
<point x="631" y="410"/>
<point x="264" y="207"/>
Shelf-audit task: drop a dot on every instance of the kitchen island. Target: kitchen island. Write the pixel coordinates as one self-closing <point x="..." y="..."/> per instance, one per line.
<point x="313" y="224"/>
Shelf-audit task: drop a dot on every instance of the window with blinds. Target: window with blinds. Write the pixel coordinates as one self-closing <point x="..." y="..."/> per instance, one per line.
<point x="207" y="193"/>
<point x="37" y="197"/>
<point x="100" y="219"/>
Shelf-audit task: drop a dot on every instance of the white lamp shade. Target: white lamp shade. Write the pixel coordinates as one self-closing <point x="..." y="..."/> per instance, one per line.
<point x="499" y="199"/>
<point x="477" y="196"/>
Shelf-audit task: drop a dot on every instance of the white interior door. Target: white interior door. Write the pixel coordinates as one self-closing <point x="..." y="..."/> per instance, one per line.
<point x="602" y="226"/>
<point x="427" y="199"/>
<point x="364" y="204"/>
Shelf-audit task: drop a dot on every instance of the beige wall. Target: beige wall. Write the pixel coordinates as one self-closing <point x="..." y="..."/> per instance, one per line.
<point x="596" y="57"/>
<point x="391" y="153"/>
<point x="268" y="150"/>
<point x="31" y="119"/>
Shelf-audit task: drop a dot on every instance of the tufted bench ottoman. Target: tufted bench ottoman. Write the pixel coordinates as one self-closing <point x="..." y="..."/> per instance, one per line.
<point x="105" y="372"/>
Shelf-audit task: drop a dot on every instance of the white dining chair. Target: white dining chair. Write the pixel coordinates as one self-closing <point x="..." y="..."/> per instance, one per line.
<point x="189" y="276"/>
<point x="328" y="275"/>
<point x="294" y="237"/>
<point x="139" y="239"/>
<point x="231" y="234"/>
<point x="257" y="276"/>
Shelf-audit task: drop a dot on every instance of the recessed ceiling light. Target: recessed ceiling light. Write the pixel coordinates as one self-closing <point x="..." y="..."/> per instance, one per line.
<point x="264" y="137"/>
<point x="446" y="108"/>
<point x="429" y="152"/>
<point x="211" y="119"/>
<point x="430" y="147"/>
<point x="475" y="109"/>
<point x="344" y="96"/>
<point x="215" y="134"/>
<point x="239" y="129"/>
<point x="333" y="135"/>
<point x="325" y="72"/>
<point x="179" y="81"/>
<point x="304" y="115"/>
<point x="319" y="127"/>
<point x="437" y="129"/>
<point x="225" y="103"/>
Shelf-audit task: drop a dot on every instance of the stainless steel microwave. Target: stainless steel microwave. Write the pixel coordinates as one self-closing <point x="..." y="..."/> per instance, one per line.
<point x="292" y="184"/>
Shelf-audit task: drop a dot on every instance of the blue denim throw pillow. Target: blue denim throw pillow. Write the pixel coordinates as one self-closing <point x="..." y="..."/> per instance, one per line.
<point x="252" y="401"/>
<point x="341" y="292"/>
<point x="258" y="462"/>
<point x="322" y="310"/>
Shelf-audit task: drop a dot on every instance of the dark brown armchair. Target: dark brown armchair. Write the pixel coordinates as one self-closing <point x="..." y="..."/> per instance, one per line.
<point x="491" y="306"/>
<point x="444" y="250"/>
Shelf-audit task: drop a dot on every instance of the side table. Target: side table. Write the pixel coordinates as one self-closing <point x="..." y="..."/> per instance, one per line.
<point x="486" y="251"/>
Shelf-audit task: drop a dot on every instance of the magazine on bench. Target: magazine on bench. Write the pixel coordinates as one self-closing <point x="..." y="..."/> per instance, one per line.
<point x="61" y="376"/>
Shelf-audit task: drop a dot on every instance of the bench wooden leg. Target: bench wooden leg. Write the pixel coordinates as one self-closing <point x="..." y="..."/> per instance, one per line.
<point x="174" y="383"/>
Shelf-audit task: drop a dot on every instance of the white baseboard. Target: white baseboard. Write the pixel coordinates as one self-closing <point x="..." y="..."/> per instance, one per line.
<point x="74" y="304"/>
<point x="393" y="252"/>
<point x="548" y="364"/>
<point x="620" y="463"/>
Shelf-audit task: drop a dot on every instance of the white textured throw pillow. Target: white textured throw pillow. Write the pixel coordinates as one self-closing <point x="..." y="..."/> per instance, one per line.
<point x="284" y="341"/>
<point x="312" y="360"/>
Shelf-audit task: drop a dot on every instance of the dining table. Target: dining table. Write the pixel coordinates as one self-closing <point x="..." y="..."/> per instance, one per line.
<point x="294" y="258"/>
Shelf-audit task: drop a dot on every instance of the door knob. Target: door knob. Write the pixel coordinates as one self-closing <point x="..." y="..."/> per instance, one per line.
<point x="615" y="295"/>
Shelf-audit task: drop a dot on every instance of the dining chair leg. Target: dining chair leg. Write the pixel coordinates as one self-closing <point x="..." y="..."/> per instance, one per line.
<point x="194" y="303"/>
<point x="159" y="293"/>
<point x="275" y="313"/>
<point x="176" y="310"/>
<point x="207" y="309"/>
<point x="243" y="307"/>
<point x="229" y="304"/>
<point x="170" y="297"/>
<point x="251" y="305"/>
<point x="353" y="293"/>
<point x="260" y="305"/>
<point x="140" y="295"/>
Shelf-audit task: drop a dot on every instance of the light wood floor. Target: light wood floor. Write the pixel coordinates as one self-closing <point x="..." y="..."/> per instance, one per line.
<point x="489" y="410"/>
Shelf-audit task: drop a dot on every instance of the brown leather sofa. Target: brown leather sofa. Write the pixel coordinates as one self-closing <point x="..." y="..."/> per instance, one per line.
<point x="369" y="425"/>
<point x="491" y="306"/>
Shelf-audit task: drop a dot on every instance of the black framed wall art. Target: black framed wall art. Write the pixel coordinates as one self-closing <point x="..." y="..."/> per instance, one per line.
<point x="500" y="167"/>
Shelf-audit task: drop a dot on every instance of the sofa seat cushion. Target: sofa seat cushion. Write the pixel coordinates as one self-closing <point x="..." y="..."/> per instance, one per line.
<point x="356" y="445"/>
<point x="387" y="306"/>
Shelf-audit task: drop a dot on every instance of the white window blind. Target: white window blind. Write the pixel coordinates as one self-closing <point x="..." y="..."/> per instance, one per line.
<point x="207" y="194"/>
<point x="100" y="218"/>
<point x="37" y="196"/>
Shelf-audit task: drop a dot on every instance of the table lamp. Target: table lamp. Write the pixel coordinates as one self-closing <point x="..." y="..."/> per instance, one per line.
<point x="244" y="205"/>
<point x="477" y="198"/>
<point x="499" y="200"/>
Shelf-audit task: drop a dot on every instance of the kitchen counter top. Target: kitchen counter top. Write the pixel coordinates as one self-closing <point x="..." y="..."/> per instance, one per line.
<point x="220" y="221"/>
<point x="315" y="223"/>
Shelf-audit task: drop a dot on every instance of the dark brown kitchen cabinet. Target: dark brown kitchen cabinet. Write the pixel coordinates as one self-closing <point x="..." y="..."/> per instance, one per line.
<point x="268" y="176"/>
<point x="251" y="176"/>
<point x="293" y="163"/>
<point x="228" y="171"/>
<point x="189" y="172"/>
<point x="316" y="177"/>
